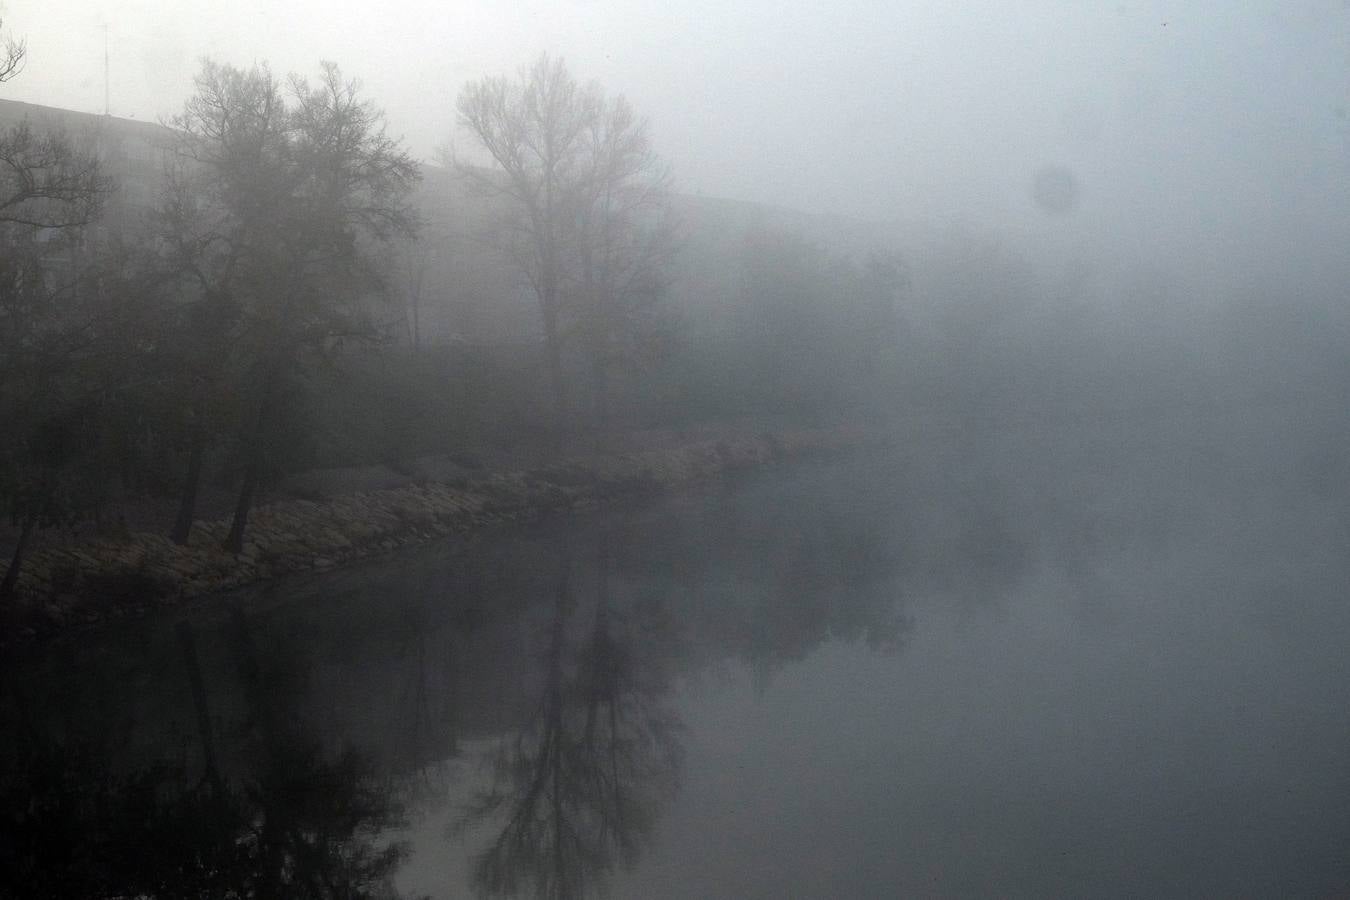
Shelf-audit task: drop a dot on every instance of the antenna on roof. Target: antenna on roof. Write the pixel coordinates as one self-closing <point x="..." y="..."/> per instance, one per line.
<point x="105" y="68"/>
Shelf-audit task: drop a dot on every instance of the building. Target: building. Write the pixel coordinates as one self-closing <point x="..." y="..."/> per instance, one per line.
<point x="133" y="154"/>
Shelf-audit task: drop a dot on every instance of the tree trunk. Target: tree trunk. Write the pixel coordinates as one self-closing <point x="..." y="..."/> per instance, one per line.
<point x="600" y="393"/>
<point x="555" y="375"/>
<point x="234" y="541"/>
<point x="253" y="443"/>
<point x="16" y="561"/>
<point x="416" y="322"/>
<point x="198" y="685"/>
<point x="187" y="501"/>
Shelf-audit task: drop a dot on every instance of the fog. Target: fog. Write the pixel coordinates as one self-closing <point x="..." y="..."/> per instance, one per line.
<point x="1202" y="136"/>
<point x="882" y="110"/>
<point x="876" y="449"/>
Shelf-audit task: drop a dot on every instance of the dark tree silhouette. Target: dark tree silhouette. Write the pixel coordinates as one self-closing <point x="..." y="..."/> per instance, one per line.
<point x="289" y="192"/>
<point x="48" y="186"/>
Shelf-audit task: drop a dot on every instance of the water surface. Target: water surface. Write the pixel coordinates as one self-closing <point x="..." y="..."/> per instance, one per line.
<point x="1030" y="660"/>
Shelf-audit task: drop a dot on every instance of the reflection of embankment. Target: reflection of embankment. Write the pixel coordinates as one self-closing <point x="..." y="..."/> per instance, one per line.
<point x="407" y="659"/>
<point x="557" y="646"/>
<point x="73" y="584"/>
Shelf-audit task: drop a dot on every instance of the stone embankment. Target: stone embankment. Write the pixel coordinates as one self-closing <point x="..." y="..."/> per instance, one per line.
<point x="99" y="579"/>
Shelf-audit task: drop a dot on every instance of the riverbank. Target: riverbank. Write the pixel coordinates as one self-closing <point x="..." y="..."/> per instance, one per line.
<point x="104" y="578"/>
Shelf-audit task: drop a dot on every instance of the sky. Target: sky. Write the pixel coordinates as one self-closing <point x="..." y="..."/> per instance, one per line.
<point x="1198" y="126"/>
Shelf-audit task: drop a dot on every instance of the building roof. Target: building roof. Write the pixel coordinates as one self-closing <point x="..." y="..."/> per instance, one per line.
<point x="14" y="111"/>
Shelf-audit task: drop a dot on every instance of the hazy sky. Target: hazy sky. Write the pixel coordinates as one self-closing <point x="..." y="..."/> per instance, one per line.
<point x="1181" y="121"/>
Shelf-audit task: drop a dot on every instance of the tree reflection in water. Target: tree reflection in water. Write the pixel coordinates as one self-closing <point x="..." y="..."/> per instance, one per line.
<point x="316" y="818"/>
<point x="258" y="795"/>
<point x="576" y="791"/>
<point x="290" y="821"/>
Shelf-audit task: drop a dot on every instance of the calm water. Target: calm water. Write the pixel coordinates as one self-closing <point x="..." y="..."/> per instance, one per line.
<point x="1082" y="662"/>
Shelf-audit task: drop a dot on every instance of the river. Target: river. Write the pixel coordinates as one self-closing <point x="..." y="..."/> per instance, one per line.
<point x="1040" y="660"/>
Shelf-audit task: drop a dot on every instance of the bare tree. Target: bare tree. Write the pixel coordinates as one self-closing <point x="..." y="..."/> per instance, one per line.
<point x="45" y="180"/>
<point x="222" y="190"/>
<point x="625" y="244"/>
<point x="47" y="185"/>
<point x="299" y="187"/>
<point x="416" y="260"/>
<point x="269" y="221"/>
<point x="534" y="128"/>
<point x="12" y="57"/>
<point x="592" y="230"/>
